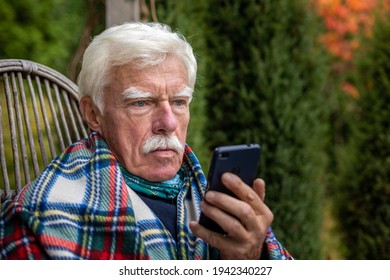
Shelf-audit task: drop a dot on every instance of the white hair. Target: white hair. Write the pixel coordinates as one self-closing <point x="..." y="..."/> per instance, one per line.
<point x="138" y="43"/>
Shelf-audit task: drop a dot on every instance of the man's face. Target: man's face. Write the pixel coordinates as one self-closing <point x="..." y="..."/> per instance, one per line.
<point x="140" y="104"/>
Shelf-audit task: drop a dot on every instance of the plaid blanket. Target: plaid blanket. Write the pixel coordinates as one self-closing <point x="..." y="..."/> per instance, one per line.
<point x="81" y="208"/>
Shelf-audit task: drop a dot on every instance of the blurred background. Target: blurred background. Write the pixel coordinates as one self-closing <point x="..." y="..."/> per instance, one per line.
<point x="308" y="80"/>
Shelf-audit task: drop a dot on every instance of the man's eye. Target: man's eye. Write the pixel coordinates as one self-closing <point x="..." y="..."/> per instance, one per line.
<point x="139" y="103"/>
<point x="179" y="102"/>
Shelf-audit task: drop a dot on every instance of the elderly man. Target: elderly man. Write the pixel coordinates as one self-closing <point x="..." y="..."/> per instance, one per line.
<point x="133" y="188"/>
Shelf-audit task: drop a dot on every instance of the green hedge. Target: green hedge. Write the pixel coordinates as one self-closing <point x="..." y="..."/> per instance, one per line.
<point x="363" y="205"/>
<point x="265" y="83"/>
<point x="45" y="31"/>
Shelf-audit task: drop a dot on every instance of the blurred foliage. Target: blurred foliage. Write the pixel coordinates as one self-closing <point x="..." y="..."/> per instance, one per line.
<point x="45" y="31"/>
<point x="264" y="82"/>
<point x="363" y="187"/>
<point x="357" y="107"/>
<point x="347" y="23"/>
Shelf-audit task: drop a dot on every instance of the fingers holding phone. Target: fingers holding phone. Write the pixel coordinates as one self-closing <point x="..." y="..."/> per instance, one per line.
<point x="241" y="160"/>
<point x="249" y="204"/>
<point x="244" y="219"/>
<point x="253" y="196"/>
<point x="234" y="218"/>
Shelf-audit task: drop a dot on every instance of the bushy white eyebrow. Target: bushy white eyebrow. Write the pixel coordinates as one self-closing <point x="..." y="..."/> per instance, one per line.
<point x="134" y="93"/>
<point x="187" y="92"/>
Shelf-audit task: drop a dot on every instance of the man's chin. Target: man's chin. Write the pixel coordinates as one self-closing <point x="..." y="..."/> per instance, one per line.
<point x="162" y="171"/>
<point x="160" y="177"/>
<point x="158" y="166"/>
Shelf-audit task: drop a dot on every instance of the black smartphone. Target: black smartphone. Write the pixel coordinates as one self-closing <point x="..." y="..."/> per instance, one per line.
<point x="241" y="160"/>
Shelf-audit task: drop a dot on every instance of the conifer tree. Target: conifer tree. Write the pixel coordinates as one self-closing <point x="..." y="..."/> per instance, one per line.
<point x="43" y="31"/>
<point x="265" y="83"/>
<point x="363" y="204"/>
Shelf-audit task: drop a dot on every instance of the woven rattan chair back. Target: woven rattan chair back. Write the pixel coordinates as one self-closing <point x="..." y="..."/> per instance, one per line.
<point x="39" y="117"/>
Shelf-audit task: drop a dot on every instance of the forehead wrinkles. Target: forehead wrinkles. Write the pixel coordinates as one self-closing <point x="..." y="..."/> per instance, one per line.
<point x="168" y="77"/>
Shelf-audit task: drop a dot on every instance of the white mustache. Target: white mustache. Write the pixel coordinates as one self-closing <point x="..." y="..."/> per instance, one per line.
<point x="162" y="142"/>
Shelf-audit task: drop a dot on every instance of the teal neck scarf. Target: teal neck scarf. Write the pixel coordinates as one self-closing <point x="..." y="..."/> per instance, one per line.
<point x="167" y="189"/>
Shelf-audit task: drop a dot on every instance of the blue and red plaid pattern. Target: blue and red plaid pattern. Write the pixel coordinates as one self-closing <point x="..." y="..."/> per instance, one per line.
<point x="81" y="208"/>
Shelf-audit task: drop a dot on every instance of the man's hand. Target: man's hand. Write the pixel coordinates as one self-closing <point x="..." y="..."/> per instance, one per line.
<point x="247" y="223"/>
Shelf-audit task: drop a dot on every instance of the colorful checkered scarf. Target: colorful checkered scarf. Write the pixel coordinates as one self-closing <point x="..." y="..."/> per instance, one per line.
<point x="81" y="208"/>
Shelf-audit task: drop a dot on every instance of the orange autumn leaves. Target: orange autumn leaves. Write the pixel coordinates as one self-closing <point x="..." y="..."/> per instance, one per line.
<point x="346" y="21"/>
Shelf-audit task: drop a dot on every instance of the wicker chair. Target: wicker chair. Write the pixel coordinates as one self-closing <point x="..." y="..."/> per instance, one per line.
<point x="39" y="117"/>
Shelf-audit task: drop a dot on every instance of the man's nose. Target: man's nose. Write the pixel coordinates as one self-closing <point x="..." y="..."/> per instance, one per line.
<point x="165" y="121"/>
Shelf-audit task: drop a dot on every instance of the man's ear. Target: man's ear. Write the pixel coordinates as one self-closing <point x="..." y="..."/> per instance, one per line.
<point x="91" y="113"/>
